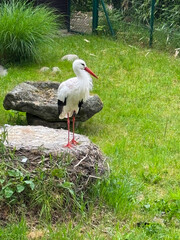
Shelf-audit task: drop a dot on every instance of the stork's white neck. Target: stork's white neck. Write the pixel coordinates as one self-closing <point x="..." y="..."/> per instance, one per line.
<point x="82" y="75"/>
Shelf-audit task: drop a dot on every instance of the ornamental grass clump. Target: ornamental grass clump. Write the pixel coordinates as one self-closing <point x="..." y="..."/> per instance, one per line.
<point x="25" y="29"/>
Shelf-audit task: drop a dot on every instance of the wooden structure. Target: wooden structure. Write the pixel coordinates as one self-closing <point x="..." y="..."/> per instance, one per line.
<point x="63" y="7"/>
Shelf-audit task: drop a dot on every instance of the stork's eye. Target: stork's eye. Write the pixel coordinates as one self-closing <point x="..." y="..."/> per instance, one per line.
<point x="83" y="64"/>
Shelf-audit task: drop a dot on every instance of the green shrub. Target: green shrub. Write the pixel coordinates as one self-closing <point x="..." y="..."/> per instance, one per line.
<point x="25" y="29"/>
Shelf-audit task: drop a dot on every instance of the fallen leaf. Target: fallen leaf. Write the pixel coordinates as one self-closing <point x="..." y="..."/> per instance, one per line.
<point x="86" y="40"/>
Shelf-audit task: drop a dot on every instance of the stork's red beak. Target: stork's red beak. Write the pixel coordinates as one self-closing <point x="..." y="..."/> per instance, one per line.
<point x="89" y="71"/>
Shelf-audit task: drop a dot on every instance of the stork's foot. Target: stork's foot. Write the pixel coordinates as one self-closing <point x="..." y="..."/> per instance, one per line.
<point x="69" y="145"/>
<point x="73" y="141"/>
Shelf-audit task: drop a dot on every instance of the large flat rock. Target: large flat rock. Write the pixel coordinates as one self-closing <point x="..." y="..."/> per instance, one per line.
<point x="84" y="161"/>
<point x="39" y="101"/>
<point x="47" y="139"/>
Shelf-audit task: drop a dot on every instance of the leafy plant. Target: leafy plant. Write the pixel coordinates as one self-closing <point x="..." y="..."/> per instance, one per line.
<point x="3" y="138"/>
<point x="13" y="184"/>
<point x="154" y="229"/>
<point x="25" y="29"/>
<point x="169" y="209"/>
<point x="16" y="118"/>
<point x="152" y="178"/>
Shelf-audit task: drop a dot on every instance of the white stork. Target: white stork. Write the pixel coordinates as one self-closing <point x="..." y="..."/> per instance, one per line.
<point x="72" y="93"/>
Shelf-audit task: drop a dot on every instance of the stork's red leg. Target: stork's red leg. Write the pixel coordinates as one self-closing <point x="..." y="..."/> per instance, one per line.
<point x="68" y="124"/>
<point x="73" y="141"/>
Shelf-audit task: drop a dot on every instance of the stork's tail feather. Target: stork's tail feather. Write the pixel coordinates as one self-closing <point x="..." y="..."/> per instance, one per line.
<point x="71" y="113"/>
<point x="62" y="116"/>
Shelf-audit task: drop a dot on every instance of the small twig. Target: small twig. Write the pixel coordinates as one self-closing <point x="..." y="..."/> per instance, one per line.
<point x="23" y="169"/>
<point x="35" y="158"/>
<point x="91" y="176"/>
<point x="80" y="161"/>
<point x="10" y="166"/>
<point x="43" y="160"/>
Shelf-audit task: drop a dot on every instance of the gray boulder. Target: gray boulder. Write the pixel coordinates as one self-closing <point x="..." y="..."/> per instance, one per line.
<point x="83" y="163"/>
<point x="37" y="121"/>
<point x="39" y="101"/>
<point x="56" y="70"/>
<point x="44" y="69"/>
<point x="69" y="57"/>
<point x="3" y="71"/>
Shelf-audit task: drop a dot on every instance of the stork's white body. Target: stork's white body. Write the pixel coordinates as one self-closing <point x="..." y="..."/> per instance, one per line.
<point x="74" y="90"/>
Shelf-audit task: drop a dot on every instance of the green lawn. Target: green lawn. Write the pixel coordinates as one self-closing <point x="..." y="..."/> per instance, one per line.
<point x="138" y="129"/>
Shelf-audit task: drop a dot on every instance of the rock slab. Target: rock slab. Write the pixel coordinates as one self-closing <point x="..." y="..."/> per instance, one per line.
<point x="3" y="71"/>
<point x="36" y="137"/>
<point x="32" y="142"/>
<point x="39" y="101"/>
<point x="69" y="57"/>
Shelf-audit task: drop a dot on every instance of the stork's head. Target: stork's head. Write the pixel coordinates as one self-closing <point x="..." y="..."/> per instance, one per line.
<point x="80" y="65"/>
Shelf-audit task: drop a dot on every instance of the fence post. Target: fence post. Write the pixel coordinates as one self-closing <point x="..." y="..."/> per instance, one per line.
<point x="68" y="15"/>
<point x="95" y="15"/>
<point x="152" y="22"/>
<point x="107" y="18"/>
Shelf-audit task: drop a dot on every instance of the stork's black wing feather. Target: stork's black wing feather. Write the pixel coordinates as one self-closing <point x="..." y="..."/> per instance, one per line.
<point x="80" y="104"/>
<point x="61" y="104"/>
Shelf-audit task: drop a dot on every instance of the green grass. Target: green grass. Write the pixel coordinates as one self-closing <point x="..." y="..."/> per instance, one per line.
<point x="138" y="129"/>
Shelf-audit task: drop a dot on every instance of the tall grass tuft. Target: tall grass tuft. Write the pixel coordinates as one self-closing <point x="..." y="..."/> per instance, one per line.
<point x="25" y="28"/>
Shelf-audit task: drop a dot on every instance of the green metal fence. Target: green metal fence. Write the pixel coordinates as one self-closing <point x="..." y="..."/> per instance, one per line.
<point x="84" y="18"/>
<point x="142" y="20"/>
<point x="151" y="23"/>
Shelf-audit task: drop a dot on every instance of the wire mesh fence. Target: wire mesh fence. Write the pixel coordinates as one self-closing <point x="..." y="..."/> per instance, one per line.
<point x="81" y="16"/>
<point x="129" y="19"/>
